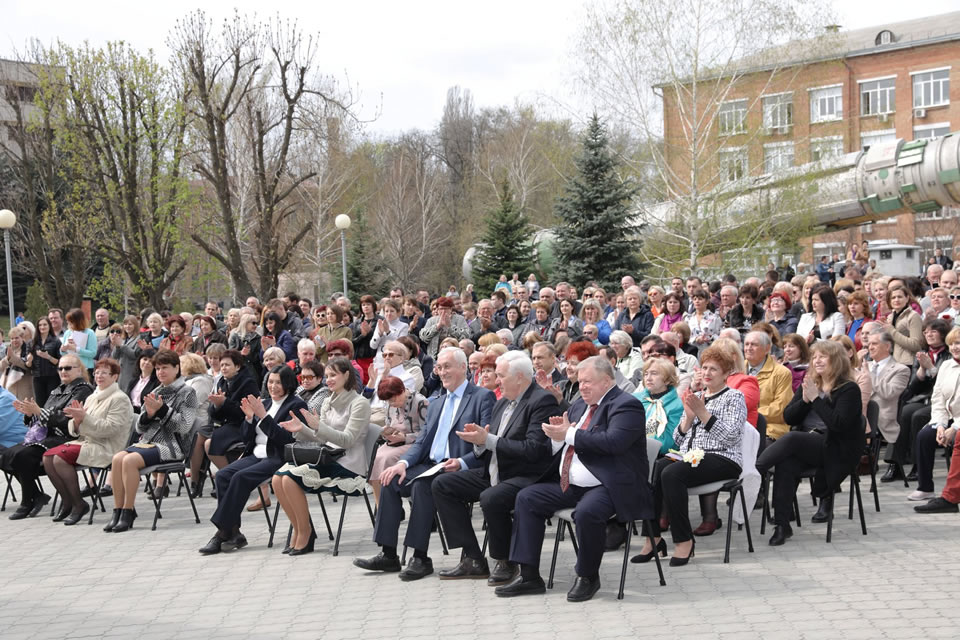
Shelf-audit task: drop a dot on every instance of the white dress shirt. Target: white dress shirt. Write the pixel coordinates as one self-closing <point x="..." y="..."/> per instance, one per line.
<point x="260" y="449"/>
<point x="579" y="474"/>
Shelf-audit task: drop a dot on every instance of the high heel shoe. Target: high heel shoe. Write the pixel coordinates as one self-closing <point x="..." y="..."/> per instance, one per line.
<point x="661" y="548"/>
<point x="306" y="549"/>
<point x="113" y="522"/>
<point x="64" y="512"/>
<point x="679" y="562"/>
<point x="127" y="516"/>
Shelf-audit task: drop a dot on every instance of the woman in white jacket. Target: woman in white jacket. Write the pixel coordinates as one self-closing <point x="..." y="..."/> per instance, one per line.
<point x="102" y="426"/>
<point x="826" y="319"/>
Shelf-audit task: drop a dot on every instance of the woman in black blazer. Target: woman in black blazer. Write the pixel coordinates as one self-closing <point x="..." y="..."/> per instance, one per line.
<point x="235" y="384"/>
<point x="262" y="456"/>
<point x="826" y="432"/>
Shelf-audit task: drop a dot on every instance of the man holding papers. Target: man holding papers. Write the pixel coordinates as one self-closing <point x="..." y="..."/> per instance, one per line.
<point x="463" y="403"/>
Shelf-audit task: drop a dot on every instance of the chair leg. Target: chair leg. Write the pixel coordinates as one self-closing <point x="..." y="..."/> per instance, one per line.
<point x="656" y="558"/>
<point x="443" y="538"/>
<point x="8" y="493"/>
<point x="812" y="497"/>
<point x="326" y="520"/>
<point x="193" y="505"/>
<point x="626" y="559"/>
<point x="863" y="520"/>
<point x="156" y="503"/>
<point x="343" y="512"/>
<point x="765" y="511"/>
<point x="273" y="530"/>
<point x="573" y="538"/>
<point x="373" y="519"/>
<point x="850" y="508"/>
<point x="730" y="502"/>
<point x="746" y="519"/>
<point x="265" y="509"/>
<point x="556" y="548"/>
<point x="796" y="511"/>
<point x="830" y="510"/>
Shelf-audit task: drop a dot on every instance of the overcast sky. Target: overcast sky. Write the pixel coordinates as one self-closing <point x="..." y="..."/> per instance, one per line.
<point x="402" y="56"/>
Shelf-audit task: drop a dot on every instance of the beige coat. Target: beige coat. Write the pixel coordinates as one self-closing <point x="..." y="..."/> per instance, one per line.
<point x="776" y="392"/>
<point x="887" y="387"/>
<point x="945" y="401"/>
<point x="106" y="427"/>
<point x="907" y="337"/>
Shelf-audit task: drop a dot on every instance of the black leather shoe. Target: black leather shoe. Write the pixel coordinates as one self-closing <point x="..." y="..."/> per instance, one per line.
<point x="77" y="516"/>
<point x="521" y="586"/>
<point x="503" y="572"/>
<point x="107" y="490"/>
<point x="127" y="516"/>
<point x="161" y="492"/>
<point x="937" y="505"/>
<point x="62" y="514"/>
<point x="416" y="568"/>
<point x="912" y="476"/>
<point x="378" y="562"/>
<point x="212" y="547"/>
<point x="237" y="541"/>
<point x="780" y="535"/>
<point x="616" y="535"/>
<point x="306" y="549"/>
<point x="113" y="521"/>
<point x="39" y="503"/>
<point x="892" y="473"/>
<point x="583" y="589"/>
<point x="287" y="549"/>
<point x="661" y="548"/>
<point x="467" y="569"/>
<point x="679" y="562"/>
<point x="21" y="513"/>
<point x="823" y="511"/>
<point x="86" y="493"/>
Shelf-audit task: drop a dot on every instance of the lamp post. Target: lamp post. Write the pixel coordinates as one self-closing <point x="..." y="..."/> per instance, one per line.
<point x="7" y="221"/>
<point x="342" y="222"/>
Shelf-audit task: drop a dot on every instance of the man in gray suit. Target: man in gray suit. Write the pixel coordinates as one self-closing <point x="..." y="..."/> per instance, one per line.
<point x="463" y="403"/>
<point x="889" y="379"/>
<point x="513" y="453"/>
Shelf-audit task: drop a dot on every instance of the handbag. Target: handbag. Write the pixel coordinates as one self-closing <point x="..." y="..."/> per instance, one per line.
<point x="36" y="432"/>
<point x="315" y="453"/>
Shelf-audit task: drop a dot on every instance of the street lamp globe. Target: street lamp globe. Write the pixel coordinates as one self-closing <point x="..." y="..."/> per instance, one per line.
<point x="342" y="221"/>
<point x="8" y="219"/>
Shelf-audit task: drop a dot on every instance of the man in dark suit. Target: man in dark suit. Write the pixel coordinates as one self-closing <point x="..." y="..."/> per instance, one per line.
<point x="510" y="453"/>
<point x="545" y="363"/>
<point x="463" y="403"/>
<point x="599" y="468"/>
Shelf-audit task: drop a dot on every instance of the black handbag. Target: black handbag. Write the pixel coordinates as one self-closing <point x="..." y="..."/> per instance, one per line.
<point x="313" y="453"/>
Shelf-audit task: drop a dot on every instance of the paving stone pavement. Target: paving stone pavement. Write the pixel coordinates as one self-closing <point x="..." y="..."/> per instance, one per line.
<point x="900" y="581"/>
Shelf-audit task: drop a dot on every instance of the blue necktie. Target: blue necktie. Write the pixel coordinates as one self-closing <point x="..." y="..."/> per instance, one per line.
<point x="439" y="449"/>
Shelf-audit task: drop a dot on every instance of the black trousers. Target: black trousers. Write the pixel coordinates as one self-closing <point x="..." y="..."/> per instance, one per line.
<point x="789" y="456"/>
<point x="453" y="493"/>
<point x="926" y="450"/>
<point x="914" y="416"/>
<point x="43" y="386"/>
<point x="592" y="508"/>
<point x="25" y="462"/>
<point x="234" y="484"/>
<point x="671" y="481"/>
<point x="386" y="532"/>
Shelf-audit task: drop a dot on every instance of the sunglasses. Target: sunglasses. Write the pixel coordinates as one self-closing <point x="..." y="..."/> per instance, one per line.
<point x="117" y="331"/>
<point x="67" y="368"/>
<point x="390" y="354"/>
<point x="954" y="296"/>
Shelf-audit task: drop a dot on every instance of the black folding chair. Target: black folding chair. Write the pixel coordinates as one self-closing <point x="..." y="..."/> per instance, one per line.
<point x="9" y="492"/>
<point x="179" y="469"/>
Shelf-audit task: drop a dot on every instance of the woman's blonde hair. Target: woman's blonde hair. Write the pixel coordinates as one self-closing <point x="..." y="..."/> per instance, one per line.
<point x="848" y="345"/>
<point x="666" y="369"/>
<point x="192" y="364"/>
<point x="727" y="354"/>
<point x="497" y="348"/>
<point x="841" y="370"/>
<point x="488" y="339"/>
<point x="244" y="319"/>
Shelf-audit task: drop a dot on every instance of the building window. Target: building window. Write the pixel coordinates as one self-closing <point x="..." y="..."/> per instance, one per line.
<point x="877" y="96"/>
<point x="929" y="244"/>
<point x="777" y="156"/>
<point x="732" y="117"/>
<point x="778" y="113"/>
<point x="931" y="88"/>
<point x="821" y="148"/>
<point x="939" y="214"/>
<point x="928" y="131"/>
<point x="733" y="164"/>
<point x="872" y="138"/>
<point x="826" y="104"/>
<point x="884" y="37"/>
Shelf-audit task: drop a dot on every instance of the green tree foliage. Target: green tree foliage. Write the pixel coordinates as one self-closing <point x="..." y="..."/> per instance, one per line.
<point x="596" y="237"/>
<point x="506" y="245"/>
<point x="36" y="303"/>
<point x="364" y="275"/>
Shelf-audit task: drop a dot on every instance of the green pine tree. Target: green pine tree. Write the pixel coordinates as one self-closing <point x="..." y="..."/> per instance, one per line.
<point x="506" y="246"/>
<point x="363" y="276"/>
<point x="595" y="238"/>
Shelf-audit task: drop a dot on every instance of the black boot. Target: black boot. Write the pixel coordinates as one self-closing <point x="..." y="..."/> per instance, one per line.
<point x="823" y="511"/>
<point x="127" y="516"/>
<point x="113" y="521"/>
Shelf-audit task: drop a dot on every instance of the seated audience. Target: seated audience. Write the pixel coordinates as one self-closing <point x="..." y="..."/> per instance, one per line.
<point x="662" y="406"/>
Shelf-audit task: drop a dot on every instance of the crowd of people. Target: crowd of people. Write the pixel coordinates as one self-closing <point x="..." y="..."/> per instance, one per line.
<point x="531" y="400"/>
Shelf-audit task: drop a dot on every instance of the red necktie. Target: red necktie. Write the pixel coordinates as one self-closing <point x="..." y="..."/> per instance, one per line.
<point x="568" y="456"/>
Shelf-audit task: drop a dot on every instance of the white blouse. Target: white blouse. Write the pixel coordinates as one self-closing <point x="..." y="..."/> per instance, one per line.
<point x="260" y="450"/>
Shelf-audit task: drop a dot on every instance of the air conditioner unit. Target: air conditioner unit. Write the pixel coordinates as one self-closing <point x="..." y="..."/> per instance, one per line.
<point x="919" y="113"/>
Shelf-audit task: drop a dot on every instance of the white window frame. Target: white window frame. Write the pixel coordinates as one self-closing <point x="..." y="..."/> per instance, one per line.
<point x="727" y="159"/>
<point x="925" y="78"/>
<point x="820" y="101"/>
<point x="737" y="112"/>
<point x="776" y="148"/>
<point x="876" y="134"/>
<point x="777" y="111"/>
<point x="830" y="141"/>
<point x="920" y="129"/>
<point x="890" y="97"/>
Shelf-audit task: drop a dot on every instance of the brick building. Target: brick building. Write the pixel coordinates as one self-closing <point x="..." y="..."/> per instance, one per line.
<point x="862" y="87"/>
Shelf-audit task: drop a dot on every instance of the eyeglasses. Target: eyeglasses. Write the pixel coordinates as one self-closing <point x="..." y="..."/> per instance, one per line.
<point x="117" y="331"/>
<point x="954" y="296"/>
<point x="390" y="354"/>
<point x="304" y="378"/>
<point x="66" y="368"/>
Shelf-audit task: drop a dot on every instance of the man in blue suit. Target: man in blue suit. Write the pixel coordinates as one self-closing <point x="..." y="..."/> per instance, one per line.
<point x="599" y="469"/>
<point x="463" y="403"/>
